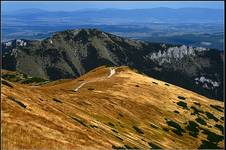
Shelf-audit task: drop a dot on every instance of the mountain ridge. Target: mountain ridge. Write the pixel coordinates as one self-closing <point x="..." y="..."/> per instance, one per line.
<point x="72" y="53"/>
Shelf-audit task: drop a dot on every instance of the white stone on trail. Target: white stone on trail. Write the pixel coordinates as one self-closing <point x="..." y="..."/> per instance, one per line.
<point x="79" y="87"/>
<point x="112" y="72"/>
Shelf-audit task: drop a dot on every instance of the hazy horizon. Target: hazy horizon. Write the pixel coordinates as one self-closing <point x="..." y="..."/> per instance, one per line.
<point x="170" y="22"/>
<point x="11" y="6"/>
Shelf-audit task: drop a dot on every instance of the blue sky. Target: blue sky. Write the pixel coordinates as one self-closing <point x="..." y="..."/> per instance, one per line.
<point x="73" y="5"/>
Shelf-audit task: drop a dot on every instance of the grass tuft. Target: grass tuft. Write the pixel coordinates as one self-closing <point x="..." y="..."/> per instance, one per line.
<point x="183" y="104"/>
<point x="177" y="128"/>
<point x="17" y="101"/>
<point x="7" y="83"/>
<point x="138" y="130"/>
<point x="181" y="97"/>
<point x="57" y="100"/>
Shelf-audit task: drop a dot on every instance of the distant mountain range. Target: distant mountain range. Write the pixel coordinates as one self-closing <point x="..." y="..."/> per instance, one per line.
<point x="71" y="53"/>
<point x="162" y="14"/>
<point x="190" y="26"/>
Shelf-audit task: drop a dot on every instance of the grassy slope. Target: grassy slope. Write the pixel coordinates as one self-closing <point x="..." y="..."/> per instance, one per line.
<point x="126" y="110"/>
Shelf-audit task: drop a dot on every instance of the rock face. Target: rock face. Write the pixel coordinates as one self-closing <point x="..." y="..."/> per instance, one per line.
<point x="72" y="53"/>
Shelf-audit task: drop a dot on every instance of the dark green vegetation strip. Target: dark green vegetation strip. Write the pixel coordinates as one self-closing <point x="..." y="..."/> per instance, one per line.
<point x="33" y="80"/>
<point x="196" y="103"/>
<point x="138" y="130"/>
<point x="11" y="77"/>
<point x="196" y="111"/>
<point x="121" y="115"/>
<point x="213" y="140"/>
<point x="211" y="116"/>
<point x="183" y="104"/>
<point x="177" y="112"/>
<point x="80" y="121"/>
<point x="57" y="100"/>
<point x="165" y="129"/>
<point x="22" y="78"/>
<point x="7" y="83"/>
<point x="154" y="146"/>
<point x="192" y="128"/>
<point x="177" y="128"/>
<point x="118" y="147"/>
<point x="208" y="145"/>
<point x="128" y="147"/>
<point x="201" y="121"/>
<point x="181" y="97"/>
<point x="111" y="124"/>
<point x="154" y="126"/>
<point x="119" y="138"/>
<point x="114" y="130"/>
<point x="17" y="101"/>
<point x="212" y="137"/>
<point x="93" y="126"/>
<point x="123" y="147"/>
<point x="220" y="127"/>
<point x="219" y="108"/>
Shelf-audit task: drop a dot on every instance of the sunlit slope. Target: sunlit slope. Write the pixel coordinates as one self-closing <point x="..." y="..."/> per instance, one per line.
<point x="109" y="108"/>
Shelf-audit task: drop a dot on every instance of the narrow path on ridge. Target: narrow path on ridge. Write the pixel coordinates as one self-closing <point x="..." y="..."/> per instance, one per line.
<point x="112" y="72"/>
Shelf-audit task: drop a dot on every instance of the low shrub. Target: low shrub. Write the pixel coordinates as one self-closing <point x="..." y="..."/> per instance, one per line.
<point x="219" y="108"/>
<point x="200" y="121"/>
<point x="33" y="80"/>
<point x="208" y="145"/>
<point x="154" y="146"/>
<point x="79" y="121"/>
<point x="165" y="129"/>
<point x="117" y="147"/>
<point x="138" y="130"/>
<point x="154" y="126"/>
<point x="183" y="104"/>
<point x="17" y="101"/>
<point x="211" y="116"/>
<point x="177" y="112"/>
<point x="57" y="100"/>
<point x="181" y="97"/>
<point x="111" y="124"/>
<point x="120" y="115"/>
<point x="212" y="137"/>
<point x="196" y="111"/>
<point x="114" y="130"/>
<point x="177" y="128"/>
<point x="192" y="128"/>
<point x="220" y="127"/>
<point x="196" y="103"/>
<point x="7" y="83"/>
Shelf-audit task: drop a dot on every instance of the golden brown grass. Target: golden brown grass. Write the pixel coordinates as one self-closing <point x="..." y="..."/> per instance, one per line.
<point x="104" y="116"/>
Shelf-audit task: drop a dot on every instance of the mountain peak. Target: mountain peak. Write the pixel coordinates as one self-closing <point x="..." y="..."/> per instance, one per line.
<point x="87" y="31"/>
<point x="72" y="53"/>
<point x="80" y="34"/>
